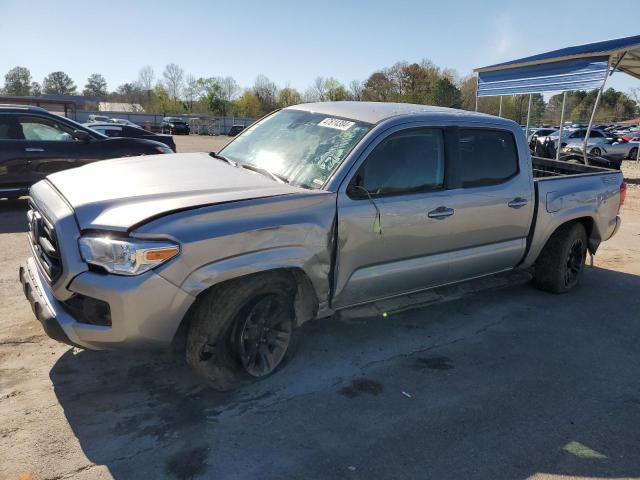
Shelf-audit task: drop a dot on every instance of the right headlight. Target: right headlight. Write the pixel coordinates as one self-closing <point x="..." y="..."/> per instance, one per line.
<point x="126" y="256"/>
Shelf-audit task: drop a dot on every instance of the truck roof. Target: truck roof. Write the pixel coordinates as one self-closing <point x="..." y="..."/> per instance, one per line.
<point x="376" y="112"/>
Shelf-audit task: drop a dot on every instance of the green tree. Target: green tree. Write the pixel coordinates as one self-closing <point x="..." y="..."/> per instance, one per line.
<point x="162" y="103"/>
<point x="36" y="89"/>
<point x="289" y="96"/>
<point x="58" y="83"/>
<point x="248" y="105"/>
<point x="377" y="88"/>
<point x="211" y="95"/>
<point x="96" y="86"/>
<point x="17" y="81"/>
<point x="445" y="94"/>
<point x="335" y="91"/>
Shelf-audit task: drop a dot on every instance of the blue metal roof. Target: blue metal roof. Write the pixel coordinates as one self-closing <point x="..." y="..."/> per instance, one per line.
<point x="606" y="47"/>
<point x="576" y="74"/>
<point x="582" y="67"/>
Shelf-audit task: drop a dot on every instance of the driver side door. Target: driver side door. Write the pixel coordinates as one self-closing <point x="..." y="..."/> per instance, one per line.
<point x="393" y="219"/>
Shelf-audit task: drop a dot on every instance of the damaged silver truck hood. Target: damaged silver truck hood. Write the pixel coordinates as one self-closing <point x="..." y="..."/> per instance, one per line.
<point x="122" y="193"/>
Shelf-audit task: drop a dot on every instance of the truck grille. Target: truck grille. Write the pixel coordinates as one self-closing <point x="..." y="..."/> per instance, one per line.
<point x="44" y="244"/>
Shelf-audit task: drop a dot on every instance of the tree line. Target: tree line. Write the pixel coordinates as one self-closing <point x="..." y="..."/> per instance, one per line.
<point x="175" y="92"/>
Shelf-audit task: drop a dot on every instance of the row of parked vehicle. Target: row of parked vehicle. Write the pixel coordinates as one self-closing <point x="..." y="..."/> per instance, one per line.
<point x="35" y="143"/>
<point x="169" y="125"/>
<point x="608" y="145"/>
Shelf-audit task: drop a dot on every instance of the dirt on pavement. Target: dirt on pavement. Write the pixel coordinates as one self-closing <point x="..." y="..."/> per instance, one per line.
<point x="505" y="382"/>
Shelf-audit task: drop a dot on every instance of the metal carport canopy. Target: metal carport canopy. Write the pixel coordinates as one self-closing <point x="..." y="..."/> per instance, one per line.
<point x="581" y="67"/>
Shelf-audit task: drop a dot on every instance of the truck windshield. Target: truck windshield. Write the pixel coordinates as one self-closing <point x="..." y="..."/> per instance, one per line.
<point x="302" y="147"/>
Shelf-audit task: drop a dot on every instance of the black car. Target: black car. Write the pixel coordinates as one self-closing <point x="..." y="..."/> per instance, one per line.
<point x="175" y="126"/>
<point x="235" y="130"/>
<point x="117" y="130"/>
<point x="35" y="143"/>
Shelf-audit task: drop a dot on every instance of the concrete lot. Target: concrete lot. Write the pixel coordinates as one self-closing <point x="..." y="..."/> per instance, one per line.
<point x="503" y="383"/>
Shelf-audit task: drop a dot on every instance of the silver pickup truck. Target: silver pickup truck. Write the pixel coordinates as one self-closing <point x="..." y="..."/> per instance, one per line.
<point x="313" y="209"/>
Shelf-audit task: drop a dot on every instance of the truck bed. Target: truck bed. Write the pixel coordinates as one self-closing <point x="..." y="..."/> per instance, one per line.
<point x="566" y="191"/>
<point x="545" y="168"/>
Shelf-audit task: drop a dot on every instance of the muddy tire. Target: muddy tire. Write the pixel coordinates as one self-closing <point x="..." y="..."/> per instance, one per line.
<point x="561" y="262"/>
<point x="241" y="330"/>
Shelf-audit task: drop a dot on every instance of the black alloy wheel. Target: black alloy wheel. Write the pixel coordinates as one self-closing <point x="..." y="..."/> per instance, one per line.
<point x="263" y="333"/>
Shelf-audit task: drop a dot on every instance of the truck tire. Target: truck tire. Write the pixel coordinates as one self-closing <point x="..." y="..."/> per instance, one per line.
<point x="241" y="330"/>
<point x="561" y="262"/>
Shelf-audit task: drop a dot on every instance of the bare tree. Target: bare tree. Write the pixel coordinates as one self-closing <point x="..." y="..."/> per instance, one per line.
<point x="267" y="93"/>
<point x="318" y="91"/>
<point x="174" y="80"/>
<point x="355" y="90"/>
<point x="229" y="88"/>
<point x="192" y="91"/>
<point x="146" y="76"/>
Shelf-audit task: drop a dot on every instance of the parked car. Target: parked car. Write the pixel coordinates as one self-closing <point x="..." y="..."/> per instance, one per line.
<point x="118" y="130"/>
<point x="235" y="130"/>
<point x="546" y="145"/>
<point x="312" y="210"/>
<point x="612" y="149"/>
<point x="35" y="143"/>
<point x="99" y="118"/>
<point x="123" y="121"/>
<point x="537" y="133"/>
<point x="174" y="126"/>
<point x="573" y="135"/>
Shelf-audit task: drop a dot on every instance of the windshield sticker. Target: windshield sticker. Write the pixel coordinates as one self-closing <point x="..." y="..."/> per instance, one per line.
<point x="318" y="181"/>
<point x="336" y="123"/>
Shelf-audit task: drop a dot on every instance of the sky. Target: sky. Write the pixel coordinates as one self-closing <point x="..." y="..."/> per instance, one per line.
<point x="291" y="42"/>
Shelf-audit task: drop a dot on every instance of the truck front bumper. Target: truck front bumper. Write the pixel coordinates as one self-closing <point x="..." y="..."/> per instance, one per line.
<point x="145" y="310"/>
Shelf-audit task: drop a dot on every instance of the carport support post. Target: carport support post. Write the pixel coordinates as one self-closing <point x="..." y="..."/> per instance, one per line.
<point x="564" y="102"/>
<point x="593" y="114"/>
<point x="500" y="110"/>
<point x="526" y="131"/>
<point x="477" y="86"/>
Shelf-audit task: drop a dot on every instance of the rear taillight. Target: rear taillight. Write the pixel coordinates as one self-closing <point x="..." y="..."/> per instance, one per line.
<point x="623" y="194"/>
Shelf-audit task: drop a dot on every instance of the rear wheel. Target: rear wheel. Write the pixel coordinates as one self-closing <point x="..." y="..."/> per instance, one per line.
<point x="242" y="330"/>
<point x="561" y="262"/>
<point x="596" y="151"/>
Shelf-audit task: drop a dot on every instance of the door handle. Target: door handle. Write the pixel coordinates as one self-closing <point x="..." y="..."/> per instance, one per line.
<point x="518" y="202"/>
<point x="34" y="149"/>
<point x="441" y="213"/>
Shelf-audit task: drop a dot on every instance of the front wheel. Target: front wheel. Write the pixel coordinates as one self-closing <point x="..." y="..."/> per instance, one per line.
<point x="596" y="151"/>
<point x="242" y="330"/>
<point x="633" y="154"/>
<point x="561" y="262"/>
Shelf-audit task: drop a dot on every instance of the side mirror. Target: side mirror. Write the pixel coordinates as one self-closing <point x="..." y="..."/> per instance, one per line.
<point x="81" y="136"/>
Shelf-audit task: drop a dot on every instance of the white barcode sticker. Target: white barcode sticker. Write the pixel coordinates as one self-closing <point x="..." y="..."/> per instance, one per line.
<point x="336" y="123"/>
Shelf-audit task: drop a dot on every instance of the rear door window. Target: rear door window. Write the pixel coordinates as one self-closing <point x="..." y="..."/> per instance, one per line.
<point x="486" y="157"/>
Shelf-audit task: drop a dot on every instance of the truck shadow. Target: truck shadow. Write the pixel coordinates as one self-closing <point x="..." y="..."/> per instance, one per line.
<point x="547" y="393"/>
<point x="13" y="215"/>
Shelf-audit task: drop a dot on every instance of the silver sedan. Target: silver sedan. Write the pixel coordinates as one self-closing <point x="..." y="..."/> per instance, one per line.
<point x="610" y="148"/>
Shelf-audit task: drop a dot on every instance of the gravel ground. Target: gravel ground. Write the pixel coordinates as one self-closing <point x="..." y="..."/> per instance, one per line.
<point x="505" y="382"/>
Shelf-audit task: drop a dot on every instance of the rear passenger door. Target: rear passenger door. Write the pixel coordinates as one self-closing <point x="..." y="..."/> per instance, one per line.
<point x="492" y="199"/>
